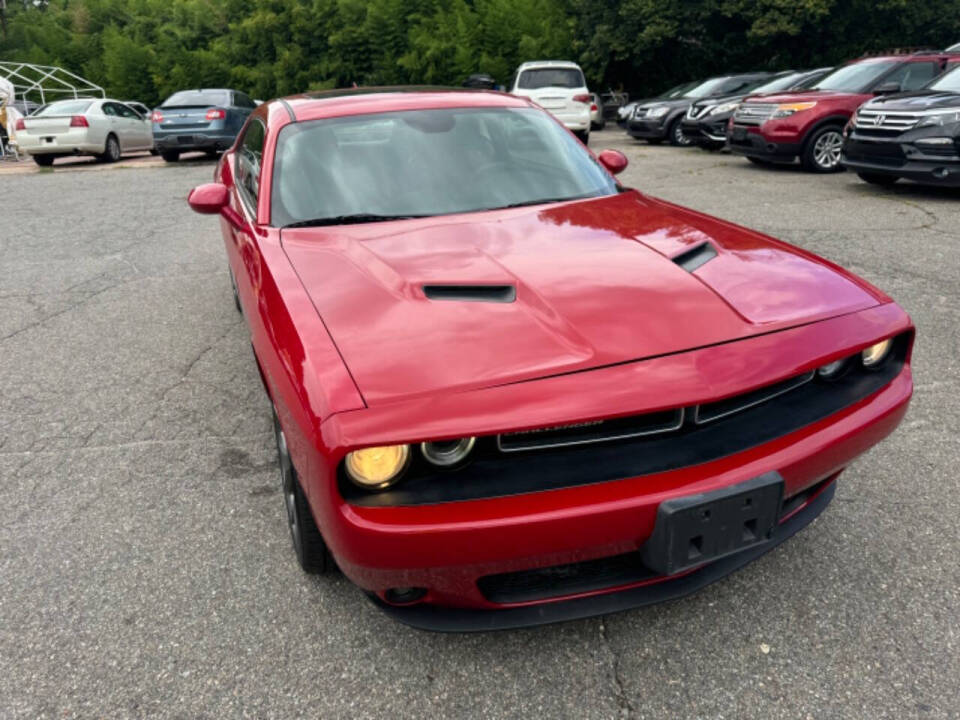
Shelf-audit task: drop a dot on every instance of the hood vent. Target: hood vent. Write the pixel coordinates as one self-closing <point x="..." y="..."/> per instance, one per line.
<point x="695" y="257"/>
<point x="472" y="293"/>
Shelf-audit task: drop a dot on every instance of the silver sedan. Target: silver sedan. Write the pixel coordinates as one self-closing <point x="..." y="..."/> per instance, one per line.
<point x="104" y="128"/>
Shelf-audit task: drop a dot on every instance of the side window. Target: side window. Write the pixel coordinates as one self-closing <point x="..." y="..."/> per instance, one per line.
<point x="126" y="112"/>
<point x="243" y="100"/>
<point x="249" y="158"/>
<point x="912" y="75"/>
<point x="109" y="109"/>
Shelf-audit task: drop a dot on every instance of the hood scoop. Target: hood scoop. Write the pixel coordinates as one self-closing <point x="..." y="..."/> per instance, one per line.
<point x="472" y="293"/>
<point x="696" y="257"/>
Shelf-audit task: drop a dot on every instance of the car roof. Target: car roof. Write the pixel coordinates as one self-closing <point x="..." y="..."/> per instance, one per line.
<point x="548" y="63"/>
<point x="362" y="101"/>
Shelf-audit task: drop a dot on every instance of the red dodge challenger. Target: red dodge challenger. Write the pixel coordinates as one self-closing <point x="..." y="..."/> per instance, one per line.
<point x="508" y="390"/>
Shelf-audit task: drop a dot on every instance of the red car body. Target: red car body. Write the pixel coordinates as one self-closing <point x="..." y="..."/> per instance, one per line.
<point x="605" y="324"/>
<point x="757" y="135"/>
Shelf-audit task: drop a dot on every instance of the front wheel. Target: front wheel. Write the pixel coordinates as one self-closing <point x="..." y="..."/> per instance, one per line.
<point x="676" y="135"/>
<point x="822" y="151"/>
<point x="170" y="155"/>
<point x="308" y="544"/>
<point x="43" y="160"/>
<point x="878" y="178"/>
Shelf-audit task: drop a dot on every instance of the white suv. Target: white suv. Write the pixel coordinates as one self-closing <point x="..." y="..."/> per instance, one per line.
<point x="558" y="87"/>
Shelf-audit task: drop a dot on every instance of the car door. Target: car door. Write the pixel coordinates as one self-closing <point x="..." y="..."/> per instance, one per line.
<point x="132" y="136"/>
<point x="113" y="124"/>
<point x="248" y="160"/>
<point x="141" y="129"/>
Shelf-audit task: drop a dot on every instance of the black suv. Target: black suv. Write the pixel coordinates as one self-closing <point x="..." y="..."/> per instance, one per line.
<point x="705" y="123"/>
<point x="910" y="135"/>
<point x="660" y="119"/>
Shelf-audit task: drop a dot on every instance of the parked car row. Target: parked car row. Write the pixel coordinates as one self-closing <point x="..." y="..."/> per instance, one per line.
<point x="885" y="117"/>
<point x="191" y="120"/>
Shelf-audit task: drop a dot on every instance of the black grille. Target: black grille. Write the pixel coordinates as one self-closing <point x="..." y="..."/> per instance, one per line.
<point x="591" y="432"/>
<point x="494" y="473"/>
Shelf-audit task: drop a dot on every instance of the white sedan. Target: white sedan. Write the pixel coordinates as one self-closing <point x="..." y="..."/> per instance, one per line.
<point x="103" y="128"/>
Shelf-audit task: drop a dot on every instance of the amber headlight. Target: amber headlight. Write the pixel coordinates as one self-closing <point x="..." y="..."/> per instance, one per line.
<point x="788" y="109"/>
<point x="376" y="468"/>
<point x="447" y="453"/>
<point x="874" y="355"/>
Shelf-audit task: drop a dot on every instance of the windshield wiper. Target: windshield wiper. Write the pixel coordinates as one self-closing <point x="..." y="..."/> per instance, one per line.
<point x="543" y="201"/>
<point x="354" y="219"/>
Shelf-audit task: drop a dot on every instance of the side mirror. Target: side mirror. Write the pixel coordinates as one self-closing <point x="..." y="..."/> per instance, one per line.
<point x="209" y="199"/>
<point x="613" y="160"/>
<point x="887" y="88"/>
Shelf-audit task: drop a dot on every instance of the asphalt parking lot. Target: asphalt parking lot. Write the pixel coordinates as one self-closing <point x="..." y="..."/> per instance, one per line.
<point x="146" y="568"/>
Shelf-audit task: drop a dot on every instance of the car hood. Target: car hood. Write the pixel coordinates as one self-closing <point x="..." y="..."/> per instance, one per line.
<point x="595" y="284"/>
<point x="674" y="103"/>
<point x="802" y="96"/>
<point x="929" y="100"/>
<point x="719" y="99"/>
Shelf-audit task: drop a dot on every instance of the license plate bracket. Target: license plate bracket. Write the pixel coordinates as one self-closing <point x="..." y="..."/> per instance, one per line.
<point x="698" y="529"/>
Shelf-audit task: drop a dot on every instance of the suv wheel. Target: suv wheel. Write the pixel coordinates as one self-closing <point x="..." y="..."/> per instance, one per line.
<point x="878" y="178"/>
<point x="822" y="151"/>
<point x="170" y="155"/>
<point x="43" y="160"/>
<point x="676" y="136"/>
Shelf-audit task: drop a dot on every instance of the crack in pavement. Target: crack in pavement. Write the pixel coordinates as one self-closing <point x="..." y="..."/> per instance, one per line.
<point x="619" y="691"/>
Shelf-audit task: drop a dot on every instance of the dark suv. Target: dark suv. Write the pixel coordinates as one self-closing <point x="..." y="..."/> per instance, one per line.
<point x="660" y="119"/>
<point x="809" y="125"/>
<point x="911" y="135"/>
<point x="206" y="120"/>
<point x="706" y="121"/>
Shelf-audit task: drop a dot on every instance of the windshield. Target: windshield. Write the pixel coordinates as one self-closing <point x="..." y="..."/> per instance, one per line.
<point x="64" y="107"/>
<point x="680" y="90"/>
<point x="781" y="83"/>
<point x="197" y="98"/>
<point x="707" y="87"/>
<point x="857" y="77"/>
<point x="948" y="82"/>
<point x="551" y="77"/>
<point x="428" y="162"/>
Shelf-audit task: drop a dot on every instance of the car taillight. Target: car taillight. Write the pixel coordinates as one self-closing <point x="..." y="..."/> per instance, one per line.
<point x="21" y="125"/>
<point x="593" y="108"/>
<point x="157" y="116"/>
<point x="79" y="121"/>
<point x="585" y="99"/>
<point x="216" y="114"/>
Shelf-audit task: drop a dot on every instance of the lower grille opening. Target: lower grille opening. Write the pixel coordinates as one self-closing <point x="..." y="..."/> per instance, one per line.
<point x="604" y="573"/>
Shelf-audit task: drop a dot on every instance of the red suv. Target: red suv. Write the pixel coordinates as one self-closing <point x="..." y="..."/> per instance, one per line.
<point x="809" y="125"/>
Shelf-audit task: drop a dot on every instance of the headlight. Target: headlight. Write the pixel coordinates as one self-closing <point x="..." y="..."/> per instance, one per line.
<point x="938" y="119"/>
<point x="874" y="355"/>
<point x="831" y="371"/>
<point x="788" y="109"/>
<point x="376" y="468"/>
<point x="447" y="453"/>
<point x="657" y="111"/>
<point x="725" y="108"/>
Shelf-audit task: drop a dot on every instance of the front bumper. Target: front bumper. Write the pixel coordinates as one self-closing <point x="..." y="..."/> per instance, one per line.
<point x="901" y="160"/>
<point x="749" y="141"/>
<point x="449" y="548"/>
<point x="644" y="129"/>
<point x="446" y="619"/>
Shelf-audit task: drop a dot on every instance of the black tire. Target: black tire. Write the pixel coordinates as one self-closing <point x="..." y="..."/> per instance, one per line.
<point x="675" y="134"/>
<point x="583" y="136"/>
<point x="821" y="152"/>
<point x="599" y="125"/>
<point x="212" y="154"/>
<point x="170" y="155"/>
<point x="878" y="179"/>
<point x="111" y="150"/>
<point x="154" y="152"/>
<point x="308" y="544"/>
<point x="654" y="141"/>
<point x="44" y="160"/>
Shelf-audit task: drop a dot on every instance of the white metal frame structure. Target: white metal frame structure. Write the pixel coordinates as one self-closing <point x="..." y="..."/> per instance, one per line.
<point x="46" y="82"/>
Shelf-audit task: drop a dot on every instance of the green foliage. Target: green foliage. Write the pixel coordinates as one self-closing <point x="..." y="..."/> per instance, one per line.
<point x="146" y="49"/>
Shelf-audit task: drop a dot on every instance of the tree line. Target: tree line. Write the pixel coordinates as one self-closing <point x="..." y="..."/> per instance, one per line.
<point x="147" y="49"/>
